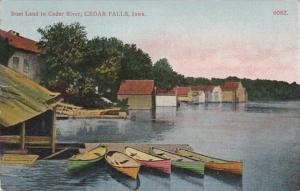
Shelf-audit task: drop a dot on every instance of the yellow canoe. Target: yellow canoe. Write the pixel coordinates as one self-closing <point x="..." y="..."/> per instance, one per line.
<point x="123" y="163"/>
<point x="235" y="167"/>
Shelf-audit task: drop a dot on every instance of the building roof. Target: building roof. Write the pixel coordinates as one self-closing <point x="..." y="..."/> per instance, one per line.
<point x="205" y="88"/>
<point x="19" y="42"/>
<point x="230" y="85"/>
<point x="166" y="92"/>
<point x="136" y="87"/>
<point x="20" y="98"/>
<point x="183" y="90"/>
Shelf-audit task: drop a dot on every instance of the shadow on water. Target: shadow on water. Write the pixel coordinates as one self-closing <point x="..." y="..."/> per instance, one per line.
<point x="126" y="181"/>
<point x="188" y="176"/>
<point x="227" y="178"/>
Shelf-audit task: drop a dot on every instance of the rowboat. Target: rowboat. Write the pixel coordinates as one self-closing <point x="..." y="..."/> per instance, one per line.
<point x="123" y="163"/>
<point x="179" y="161"/>
<point x="23" y="159"/>
<point x="86" y="159"/>
<point x="163" y="165"/>
<point x="235" y="167"/>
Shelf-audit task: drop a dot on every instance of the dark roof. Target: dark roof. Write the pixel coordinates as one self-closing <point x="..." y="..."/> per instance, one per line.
<point x="206" y="88"/>
<point x="20" y="98"/>
<point x="19" y="42"/>
<point x="183" y="90"/>
<point x="166" y="92"/>
<point x="136" y="87"/>
<point x="230" y="85"/>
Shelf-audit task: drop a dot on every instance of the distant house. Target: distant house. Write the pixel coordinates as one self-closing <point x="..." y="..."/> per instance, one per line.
<point x="216" y="95"/>
<point x="234" y="91"/>
<point x="166" y="98"/>
<point x="207" y="89"/>
<point x="26" y="56"/>
<point x="140" y="93"/>
<point x="198" y="94"/>
<point x="27" y="112"/>
<point x="184" y="94"/>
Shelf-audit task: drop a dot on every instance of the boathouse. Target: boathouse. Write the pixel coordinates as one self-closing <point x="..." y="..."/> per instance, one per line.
<point x="198" y="94"/>
<point x="216" y="94"/>
<point x="27" y="112"/>
<point x="166" y="97"/>
<point x="139" y="93"/>
<point x="184" y="94"/>
<point x="23" y="54"/>
<point x="233" y="91"/>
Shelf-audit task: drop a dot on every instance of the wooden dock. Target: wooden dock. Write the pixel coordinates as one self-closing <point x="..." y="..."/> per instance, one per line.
<point x="65" y="110"/>
<point x="141" y="146"/>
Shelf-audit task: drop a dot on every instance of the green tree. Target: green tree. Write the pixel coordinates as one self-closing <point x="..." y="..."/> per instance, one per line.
<point x="63" y="49"/>
<point x="135" y="64"/>
<point x="163" y="74"/>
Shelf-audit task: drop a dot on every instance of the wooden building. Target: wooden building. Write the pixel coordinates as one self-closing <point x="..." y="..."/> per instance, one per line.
<point x="216" y="94"/>
<point x="198" y="94"/>
<point x="27" y="112"/>
<point x="166" y="98"/>
<point x="234" y="91"/>
<point x="184" y="94"/>
<point x="25" y="57"/>
<point x="139" y="93"/>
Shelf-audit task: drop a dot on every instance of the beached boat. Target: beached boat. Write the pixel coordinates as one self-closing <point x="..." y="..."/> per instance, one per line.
<point x="179" y="161"/>
<point x="235" y="167"/>
<point x="86" y="159"/>
<point x="163" y="165"/>
<point x="123" y="163"/>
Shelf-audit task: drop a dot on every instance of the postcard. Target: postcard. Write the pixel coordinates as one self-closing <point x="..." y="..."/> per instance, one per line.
<point x="149" y="95"/>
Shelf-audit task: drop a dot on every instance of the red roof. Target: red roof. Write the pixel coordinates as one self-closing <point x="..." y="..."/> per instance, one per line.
<point x="19" y="42"/>
<point x="136" y="87"/>
<point x="230" y="85"/>
<point x="183" y="91"/>
<point x="166" y="92"/>
<point x="206" y="88"/>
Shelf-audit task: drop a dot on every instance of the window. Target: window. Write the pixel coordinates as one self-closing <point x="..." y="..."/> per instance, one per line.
<point x="15" y="63"/>
<point x="26" y="66"/>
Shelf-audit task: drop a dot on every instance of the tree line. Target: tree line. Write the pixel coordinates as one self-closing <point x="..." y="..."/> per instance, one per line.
<point x="84" y="70"/>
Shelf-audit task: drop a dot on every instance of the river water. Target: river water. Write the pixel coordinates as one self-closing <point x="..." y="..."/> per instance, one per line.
<point x="265" y="135"/>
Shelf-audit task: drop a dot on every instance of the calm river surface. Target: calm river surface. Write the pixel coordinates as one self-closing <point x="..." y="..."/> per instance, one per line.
<point x="265" y="135"/>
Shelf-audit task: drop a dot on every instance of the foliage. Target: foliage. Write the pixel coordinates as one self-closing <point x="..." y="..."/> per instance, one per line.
<point x="163" y="74"/>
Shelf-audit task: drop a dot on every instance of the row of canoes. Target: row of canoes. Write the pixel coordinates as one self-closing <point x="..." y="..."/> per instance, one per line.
<point x="132" y="159"/>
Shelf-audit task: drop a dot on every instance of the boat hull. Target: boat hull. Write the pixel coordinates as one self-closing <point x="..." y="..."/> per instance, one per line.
<point x="231" y="167"/>
<point x="76" y="165"/>
<point x="162" y="165"/>
<point x="132" y="172"/>
<point x="193" y="166"/>
<point x="235" y="167"/>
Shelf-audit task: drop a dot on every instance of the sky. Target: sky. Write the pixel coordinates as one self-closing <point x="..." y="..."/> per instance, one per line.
<point x="208" y="38"/>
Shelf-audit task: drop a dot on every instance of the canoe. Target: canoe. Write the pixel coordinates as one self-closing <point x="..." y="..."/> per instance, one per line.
<point x="163" y="165"/>
<point x="123" y="163"/>
<point x="235" y="167"/>
<point x="179" y="161"/>
<point x="86" y="159"/>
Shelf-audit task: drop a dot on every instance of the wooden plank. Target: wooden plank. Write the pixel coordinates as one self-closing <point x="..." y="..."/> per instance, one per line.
<point x="19" y="159"/>
<point x="141" y="146"/>
<point x="53" y="130"/>
<point x="57" y="153"/>
<point x="15" y="139"/>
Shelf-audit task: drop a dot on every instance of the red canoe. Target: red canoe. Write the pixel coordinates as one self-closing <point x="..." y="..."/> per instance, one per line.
<point x="149" y="161"/>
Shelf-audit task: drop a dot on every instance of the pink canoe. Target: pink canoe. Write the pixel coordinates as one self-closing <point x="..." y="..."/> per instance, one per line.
<point x="164" y="165"/>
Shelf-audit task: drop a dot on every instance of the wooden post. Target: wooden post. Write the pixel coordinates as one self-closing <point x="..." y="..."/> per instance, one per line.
<point x="22" y="136"/>
<point x="53" y="130"/>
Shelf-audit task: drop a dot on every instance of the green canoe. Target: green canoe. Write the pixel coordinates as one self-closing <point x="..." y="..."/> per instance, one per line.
<point x="179" y="161"/>
<point x="83" y="160"/>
